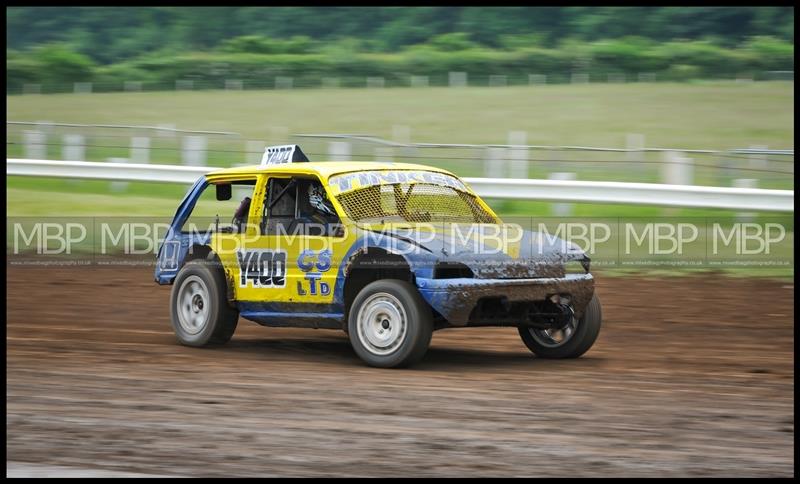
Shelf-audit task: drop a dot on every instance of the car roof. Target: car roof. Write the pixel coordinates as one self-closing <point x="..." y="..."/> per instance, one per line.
<point x="324" y="169"/>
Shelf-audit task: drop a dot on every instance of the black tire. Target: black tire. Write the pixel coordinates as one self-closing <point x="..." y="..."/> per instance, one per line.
<point x="586" y="333"/>
<point x="216" y="319"/>
<point x="410" y="324"/>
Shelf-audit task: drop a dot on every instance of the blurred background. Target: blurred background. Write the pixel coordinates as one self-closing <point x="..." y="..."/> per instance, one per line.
<point x="674" y="95"/>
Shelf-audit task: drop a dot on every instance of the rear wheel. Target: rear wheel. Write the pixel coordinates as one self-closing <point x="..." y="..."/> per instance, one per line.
<point x="571" y="341"/>
<point x="199" y="307"/>
<point x="390" y="325"/>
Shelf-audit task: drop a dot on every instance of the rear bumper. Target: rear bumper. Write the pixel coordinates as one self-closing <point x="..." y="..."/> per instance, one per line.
<point x="456" y="298"/>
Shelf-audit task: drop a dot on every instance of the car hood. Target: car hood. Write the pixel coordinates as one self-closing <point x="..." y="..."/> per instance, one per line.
<point x="505" y="251"/>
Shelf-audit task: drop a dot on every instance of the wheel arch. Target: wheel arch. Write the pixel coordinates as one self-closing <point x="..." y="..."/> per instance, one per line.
<point x="371" y="264"/>
<point x="205" y="252"/>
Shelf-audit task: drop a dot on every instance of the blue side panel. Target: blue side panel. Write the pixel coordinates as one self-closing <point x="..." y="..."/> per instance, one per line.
<point x="332" y="315"/>
<point x="440" y="300"/>
<point x="449" y="295"/>
<point x="420" y="262"/>
<point x="292" y="314"/>
<point x="176" y="245"/>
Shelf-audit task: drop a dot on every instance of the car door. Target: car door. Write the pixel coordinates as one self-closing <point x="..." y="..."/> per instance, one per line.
<point x="229" y="238"/>
<point x="296" y="258"/>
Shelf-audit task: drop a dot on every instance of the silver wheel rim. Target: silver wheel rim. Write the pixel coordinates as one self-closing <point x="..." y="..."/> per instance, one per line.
<point x="553" y="338"/>
<point x="381" y="324"/>
<point x="193" y="305"/>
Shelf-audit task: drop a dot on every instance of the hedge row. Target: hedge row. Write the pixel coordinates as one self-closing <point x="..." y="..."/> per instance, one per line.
<point x="56" y="66"/>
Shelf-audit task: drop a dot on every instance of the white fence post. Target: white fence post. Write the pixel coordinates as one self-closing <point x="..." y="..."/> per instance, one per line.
<point x="402" y="134"/>
<point x="74" y="147"/>
<point x="184" y="84"/>
<point x="457" y="79"/>
<point x="384" y="154"/>
<point x="35" y="144"/>
<point x="140" y="149"/>
<point x="194" y="150"/>
<point x="118" y="186"/>
<point x="758" y="161"/>
<point x="677" y="169"/>
<point x="330" y="82"/>
<point x="498" y="81"/>
<point x="745" y="183"/>
<point x="233" y="85"/>
<point x="133" y="86"/>
<point x="254" y="151"/>
<point x="419" y="81"/>
<point x="377" y="82"/>
<point x="284" y="82"/>
<point x="495" y="166"/>
<point x="537" y="79"/>
<point x="635" y="143"/>
<point x="47" y="127"/>
<point x="579" y="78"/>
<point x="518" y="154"/>
<point x="31" y="88"/>
<point x="339" y="150"/>
<point x="616" y="77"/>
<point x="83" y="88"/>
<point x="562" y="209"/>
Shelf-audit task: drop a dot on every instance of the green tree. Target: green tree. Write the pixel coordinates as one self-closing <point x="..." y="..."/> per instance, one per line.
<point x="61" y="65"/>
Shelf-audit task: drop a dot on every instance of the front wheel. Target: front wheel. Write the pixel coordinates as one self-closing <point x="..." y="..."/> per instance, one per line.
<point x="390" y="325"/>
<point x="571" y="341"/>
<point x="199" y="306"/>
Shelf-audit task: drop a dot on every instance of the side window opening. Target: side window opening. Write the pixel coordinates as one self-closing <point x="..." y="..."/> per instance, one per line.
<point x="280" y="204"/>
<point x="224" y="216"/>
<point x="298" y="205"/>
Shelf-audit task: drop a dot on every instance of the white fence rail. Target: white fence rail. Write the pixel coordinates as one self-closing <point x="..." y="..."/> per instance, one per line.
<point x="635" y="194"/>
<point x="91" y="170"/>
<point x="122" y="126"/>
<point x="380" y="141"/>
<point x="635" y="162"/>
<point x="542" y="190"/>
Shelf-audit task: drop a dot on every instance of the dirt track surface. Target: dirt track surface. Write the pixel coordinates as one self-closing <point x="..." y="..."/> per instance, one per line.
<point x="690" y="377"/>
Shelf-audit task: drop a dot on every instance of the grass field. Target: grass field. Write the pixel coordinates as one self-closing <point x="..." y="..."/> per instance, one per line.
<point x="716" y="115"/>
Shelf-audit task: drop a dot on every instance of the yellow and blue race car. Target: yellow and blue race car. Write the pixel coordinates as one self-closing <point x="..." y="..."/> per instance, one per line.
<point x="387" y="252"/>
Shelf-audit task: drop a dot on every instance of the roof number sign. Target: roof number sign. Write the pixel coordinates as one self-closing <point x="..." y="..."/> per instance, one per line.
<point x="279" y="155"/>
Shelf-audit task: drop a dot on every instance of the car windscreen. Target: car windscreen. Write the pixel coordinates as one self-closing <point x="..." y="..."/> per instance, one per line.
<point x="412" y="202"/>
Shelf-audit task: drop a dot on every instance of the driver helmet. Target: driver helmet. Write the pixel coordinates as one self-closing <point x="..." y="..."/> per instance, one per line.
<point x="319" y="200"/>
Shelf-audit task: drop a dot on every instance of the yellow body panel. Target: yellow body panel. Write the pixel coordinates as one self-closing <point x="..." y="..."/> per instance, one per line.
<point x="308" y="275"/>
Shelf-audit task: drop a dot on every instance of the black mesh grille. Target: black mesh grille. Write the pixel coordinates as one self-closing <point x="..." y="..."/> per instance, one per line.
<point x="418" y="202"/>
